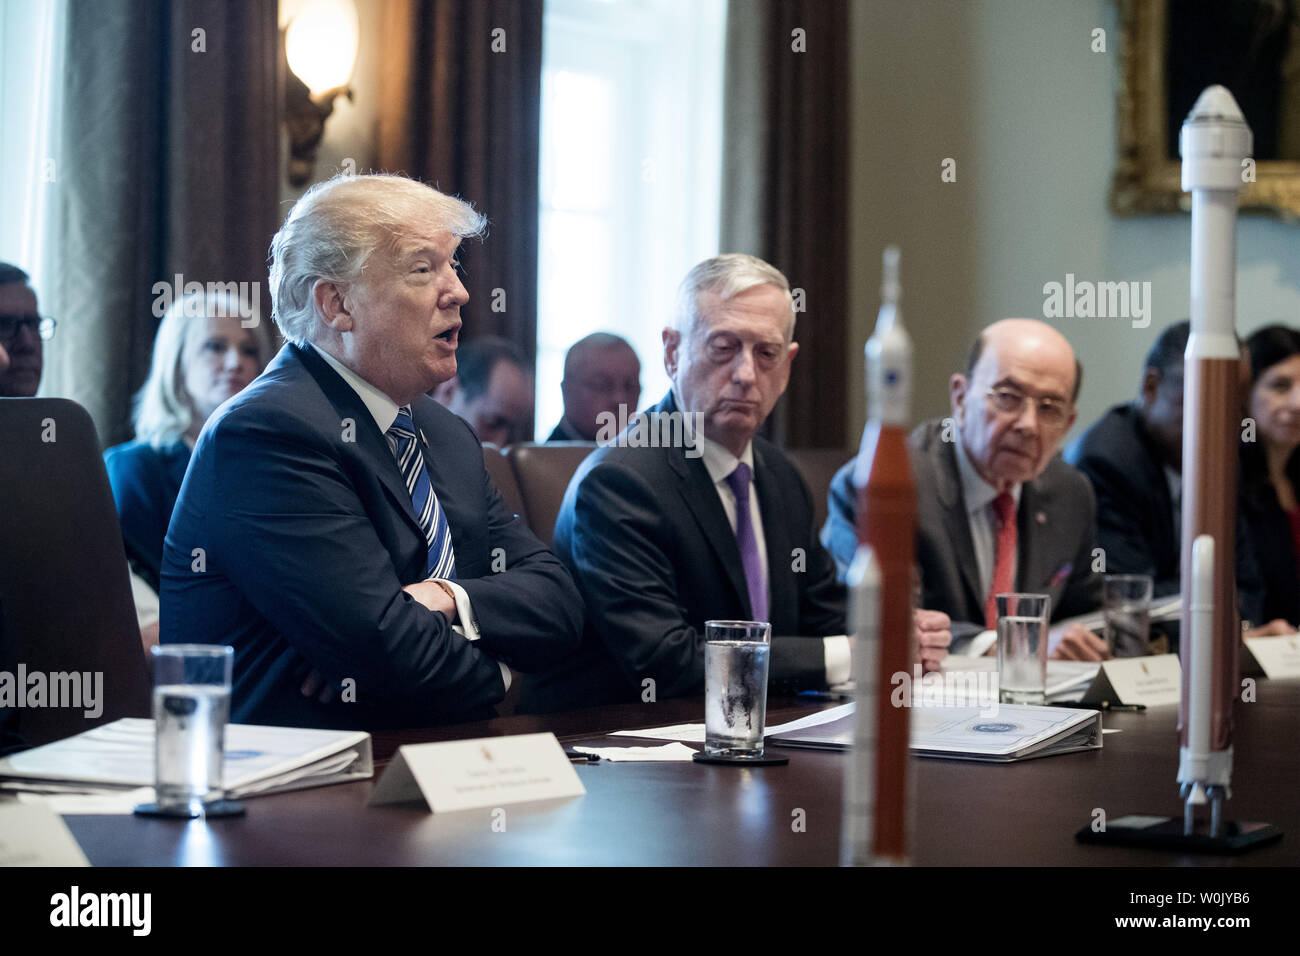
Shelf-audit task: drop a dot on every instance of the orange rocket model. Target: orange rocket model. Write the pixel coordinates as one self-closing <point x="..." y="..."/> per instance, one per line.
<point x="886" y="548"/>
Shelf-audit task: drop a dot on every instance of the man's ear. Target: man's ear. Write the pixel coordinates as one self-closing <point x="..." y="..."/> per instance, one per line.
<point x="672" y="342"/>
<point x="957" y="386"/>
<point x="328" y="297"/>
<point x="1150" y="382"/>
<point x="793" y="351"/>
<point x="445" y="393"/>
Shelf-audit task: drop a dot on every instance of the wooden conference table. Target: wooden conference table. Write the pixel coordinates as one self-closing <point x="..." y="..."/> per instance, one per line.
<point x="684" y="813"/>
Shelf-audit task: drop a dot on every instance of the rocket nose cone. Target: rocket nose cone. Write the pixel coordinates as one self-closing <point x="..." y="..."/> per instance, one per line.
<point x="1216" y="104"/>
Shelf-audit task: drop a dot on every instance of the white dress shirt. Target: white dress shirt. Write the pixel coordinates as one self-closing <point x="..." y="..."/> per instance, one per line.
<point x="384" y="411"/>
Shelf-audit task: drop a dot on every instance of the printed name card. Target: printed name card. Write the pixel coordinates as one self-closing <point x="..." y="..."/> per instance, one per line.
<point x="34" y="835"/>
<point x="1150" y="681"/>
<point x="1276" y="656"/>
<point x="485" y="772"/>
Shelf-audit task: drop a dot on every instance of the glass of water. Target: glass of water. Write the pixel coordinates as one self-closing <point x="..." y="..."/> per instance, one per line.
<point x="1127" y="607"/>
<point x="1023" y="621"/>
<point x="191" y="705"/>
<point x="736" y="657"/>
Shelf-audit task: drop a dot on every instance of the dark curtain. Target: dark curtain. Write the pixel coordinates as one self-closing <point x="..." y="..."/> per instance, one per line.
<point x="169" y="160"/>
<point x="785" y="188"/>
<point x="460" y="109"/>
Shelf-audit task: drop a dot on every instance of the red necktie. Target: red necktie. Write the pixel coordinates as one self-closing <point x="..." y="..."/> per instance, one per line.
<point x="1003" y="579"/>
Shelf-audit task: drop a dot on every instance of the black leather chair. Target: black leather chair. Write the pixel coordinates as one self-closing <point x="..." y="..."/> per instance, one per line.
<point x="65" y="594"/>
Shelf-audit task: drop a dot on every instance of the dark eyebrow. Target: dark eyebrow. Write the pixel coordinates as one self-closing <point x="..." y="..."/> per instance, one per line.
<point x="1009" y="382"/>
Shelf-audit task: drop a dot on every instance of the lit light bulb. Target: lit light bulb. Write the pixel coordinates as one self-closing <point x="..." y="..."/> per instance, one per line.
<point x="321" y="44"/>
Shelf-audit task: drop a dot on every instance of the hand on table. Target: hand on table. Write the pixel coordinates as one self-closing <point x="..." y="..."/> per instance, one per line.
<point x="933" y="635"/>
<point x="1077" y="643"/>
<point x="1274" y="628"/>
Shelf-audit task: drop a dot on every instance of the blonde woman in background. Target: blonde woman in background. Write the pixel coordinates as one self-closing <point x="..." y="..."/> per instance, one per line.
<point x="203" y="354"/>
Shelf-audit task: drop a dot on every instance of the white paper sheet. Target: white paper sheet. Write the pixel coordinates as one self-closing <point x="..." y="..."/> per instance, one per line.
<point x="667" y="753"/>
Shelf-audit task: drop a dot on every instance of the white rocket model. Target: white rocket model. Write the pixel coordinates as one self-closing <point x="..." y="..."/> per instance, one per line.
<point x="857" y="836"/>
<point x="1194" y="756"/>
<point x="889" y="351"/>
<point x="1214" y="143"/>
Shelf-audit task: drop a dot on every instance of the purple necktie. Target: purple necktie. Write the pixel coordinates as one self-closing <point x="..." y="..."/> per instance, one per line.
<point x="739" y="481"/>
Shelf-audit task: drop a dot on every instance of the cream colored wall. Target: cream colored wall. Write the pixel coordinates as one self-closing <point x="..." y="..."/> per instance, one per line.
<point x="1013" y="92"/>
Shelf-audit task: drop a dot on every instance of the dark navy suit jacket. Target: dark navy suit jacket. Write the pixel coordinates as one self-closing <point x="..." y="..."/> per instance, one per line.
<point x="146" y="481"/>
<point x="654" y="556"/>
<point x="292" y="540"/>
<point x="1136" y="520"/>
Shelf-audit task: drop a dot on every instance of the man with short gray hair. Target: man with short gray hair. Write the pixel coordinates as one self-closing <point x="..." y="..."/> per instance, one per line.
<point x="337" y="526"/>
<point x="719" y="526"/>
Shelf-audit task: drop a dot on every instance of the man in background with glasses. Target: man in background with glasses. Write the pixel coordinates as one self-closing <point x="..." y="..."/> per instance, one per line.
<point x="22" y="331"/>
<point x="998" y="510"/>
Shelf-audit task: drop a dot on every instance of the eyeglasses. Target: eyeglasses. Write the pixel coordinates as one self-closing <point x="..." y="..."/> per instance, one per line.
<point x="11" y="325"/>
<point x="1052" y="412"/>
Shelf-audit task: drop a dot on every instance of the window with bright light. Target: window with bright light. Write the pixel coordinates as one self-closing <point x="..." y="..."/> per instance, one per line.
<point x="31" y="55"/>
<point x="631" y="150"/>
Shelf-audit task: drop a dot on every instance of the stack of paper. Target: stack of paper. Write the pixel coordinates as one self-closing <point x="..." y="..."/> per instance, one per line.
<point x="120" y="756"/>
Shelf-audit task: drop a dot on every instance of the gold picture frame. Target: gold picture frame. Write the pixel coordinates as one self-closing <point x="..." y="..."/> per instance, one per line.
<point x="1147" y="181"/>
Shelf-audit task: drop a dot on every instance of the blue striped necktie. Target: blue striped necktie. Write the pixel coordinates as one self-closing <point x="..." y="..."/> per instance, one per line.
<point x="402" y="440"/>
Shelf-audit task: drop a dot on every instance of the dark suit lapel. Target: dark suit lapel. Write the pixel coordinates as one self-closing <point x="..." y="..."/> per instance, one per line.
<point x="701" y="499"/>
<point x="1033" y="526"/>
<point x="783" y="594"/>
<point x="371" y="445"/>
<point x="948" y="484"/>
<point x="1159" y="485"/>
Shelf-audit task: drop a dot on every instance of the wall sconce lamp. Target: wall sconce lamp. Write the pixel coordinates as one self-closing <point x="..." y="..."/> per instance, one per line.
<point x="320" y="45"/>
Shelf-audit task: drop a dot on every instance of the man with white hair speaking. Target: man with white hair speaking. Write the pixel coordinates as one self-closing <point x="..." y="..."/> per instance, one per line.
<point x="719" y="526"/>
<point x="336" y="526"/>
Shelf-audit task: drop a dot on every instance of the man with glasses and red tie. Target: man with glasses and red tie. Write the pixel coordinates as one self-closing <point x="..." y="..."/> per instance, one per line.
<point x="22" y="332"/>
<point x="998" y="510"/>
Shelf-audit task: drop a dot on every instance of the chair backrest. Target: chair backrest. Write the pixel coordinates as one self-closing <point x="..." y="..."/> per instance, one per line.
<point x="818" y="467"/>
<point x="502" y="473"/>
<point x="543" y="472"/>
<point x="65" y="593"/>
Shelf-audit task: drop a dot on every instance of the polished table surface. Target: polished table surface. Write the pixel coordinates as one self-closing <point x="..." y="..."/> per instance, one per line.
<point x="966" y="813"/>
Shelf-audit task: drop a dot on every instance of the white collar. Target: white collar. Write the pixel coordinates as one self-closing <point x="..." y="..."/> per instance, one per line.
<point x="720" y="462"/>
<point x="977" y="493"/>
<point x="381" y="407"/>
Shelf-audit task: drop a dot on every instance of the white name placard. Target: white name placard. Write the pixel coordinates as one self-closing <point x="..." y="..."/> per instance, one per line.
<point x="484" y="772"/>
<point x="1150" y="681"/>
<point x="1276" y="656"/>
<point x="34" y="835"/>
